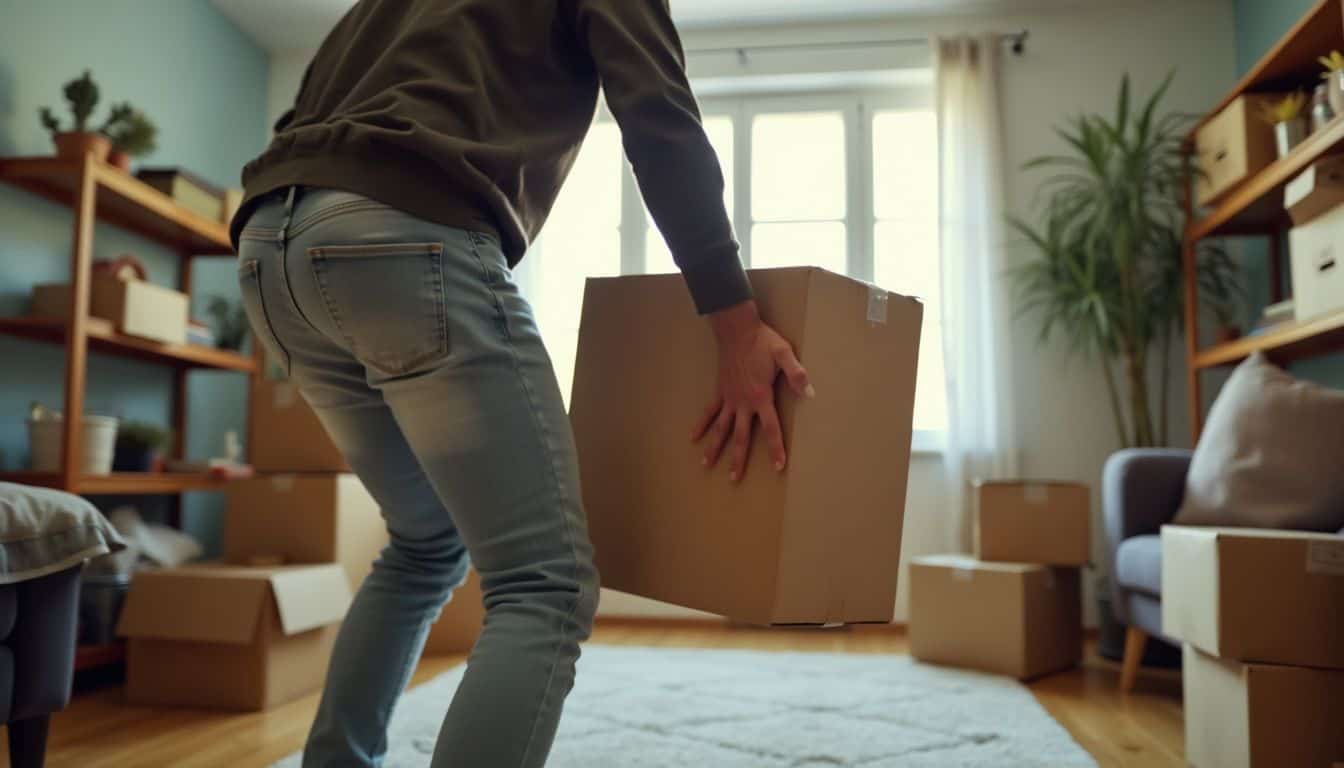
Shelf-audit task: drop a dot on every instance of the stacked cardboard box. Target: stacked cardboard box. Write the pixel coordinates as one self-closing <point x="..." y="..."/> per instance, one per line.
<point x="1261" y="617"/>
<point x="1016" y="607"/>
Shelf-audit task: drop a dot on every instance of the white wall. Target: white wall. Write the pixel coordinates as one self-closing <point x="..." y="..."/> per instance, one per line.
<point x="1074" y="61"/>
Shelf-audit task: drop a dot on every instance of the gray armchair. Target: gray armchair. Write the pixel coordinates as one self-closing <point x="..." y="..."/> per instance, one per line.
<point x="1141" y="491"/>
<point x="37" y="658"/>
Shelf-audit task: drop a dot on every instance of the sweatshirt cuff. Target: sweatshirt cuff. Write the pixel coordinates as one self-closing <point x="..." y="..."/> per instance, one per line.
<point x="717" y="283"/>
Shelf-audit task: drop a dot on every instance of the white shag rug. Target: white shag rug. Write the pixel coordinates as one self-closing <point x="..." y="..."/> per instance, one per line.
<point x="635" y="707"/>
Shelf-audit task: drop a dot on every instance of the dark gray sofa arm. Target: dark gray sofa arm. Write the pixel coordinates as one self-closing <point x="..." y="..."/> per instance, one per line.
<point x="1141" y="490"/>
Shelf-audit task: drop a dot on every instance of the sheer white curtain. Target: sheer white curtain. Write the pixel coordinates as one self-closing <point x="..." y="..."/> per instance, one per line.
<point x="981" y="438"/>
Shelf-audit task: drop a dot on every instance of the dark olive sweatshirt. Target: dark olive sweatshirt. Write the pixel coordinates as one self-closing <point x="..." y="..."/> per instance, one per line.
<point x="470" y="113"/>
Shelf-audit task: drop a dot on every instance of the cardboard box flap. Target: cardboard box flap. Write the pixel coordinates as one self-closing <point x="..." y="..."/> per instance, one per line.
<point x="195" y="604"/>
<point x="310" y="597"/>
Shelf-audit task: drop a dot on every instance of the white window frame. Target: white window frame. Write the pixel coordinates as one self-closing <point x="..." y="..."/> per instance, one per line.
<point x="858" y="108"/>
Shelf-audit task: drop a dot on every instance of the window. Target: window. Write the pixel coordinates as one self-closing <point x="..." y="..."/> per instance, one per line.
<point x="848" y="182"/>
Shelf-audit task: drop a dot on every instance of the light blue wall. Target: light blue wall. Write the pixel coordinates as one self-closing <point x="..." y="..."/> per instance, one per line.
<point x="204" y="83"/>
<point x="1260" y="24"/>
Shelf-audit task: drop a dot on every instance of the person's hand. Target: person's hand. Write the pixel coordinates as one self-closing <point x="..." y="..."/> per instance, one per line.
<point x="751" y="355"/>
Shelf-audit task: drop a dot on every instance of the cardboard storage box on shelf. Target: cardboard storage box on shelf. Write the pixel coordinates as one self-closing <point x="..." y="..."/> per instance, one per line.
<point x="1255" y="595"/>
<point x="1316" y="263"/>
<point x="818" y="543"/>
<point x="1261" y="715"/>
<point x="1232" y="145"/>
<point x="1028" y="521"/>
<point x="229" y="637"/>
<point x="460" y="622"/>
<point x="1017" y="619"/>
<point x="1318" y="189"/>
<point x="134" y="307"/>
<point x="187" y="190"/>
<point x="304" y="519"/>
<point x="284" y="435"/>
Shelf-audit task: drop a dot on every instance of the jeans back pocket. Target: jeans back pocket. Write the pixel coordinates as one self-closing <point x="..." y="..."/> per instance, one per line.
<point x="387" y="301"/>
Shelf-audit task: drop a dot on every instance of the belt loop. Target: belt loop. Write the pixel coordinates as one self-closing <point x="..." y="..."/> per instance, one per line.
<point x="283" y="235"/>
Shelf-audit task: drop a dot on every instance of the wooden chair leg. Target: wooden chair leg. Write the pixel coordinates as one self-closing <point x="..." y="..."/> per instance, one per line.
<point x="1136" y="640"/>
<point x="28" y="742"/>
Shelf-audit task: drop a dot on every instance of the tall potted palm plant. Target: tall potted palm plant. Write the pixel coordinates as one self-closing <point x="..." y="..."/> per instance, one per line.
<point x="1105" y="270"/>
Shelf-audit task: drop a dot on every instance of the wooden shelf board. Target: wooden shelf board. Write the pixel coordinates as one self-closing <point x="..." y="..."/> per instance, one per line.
<point x="1292" y="60"/>
<point x="123" y="200"/>
<point x="122" y="483"/>
<point x="1284" y="344"/>
<point x="92" y="656"/>
<point x="101" y="339"/>
<point x="1256" y="206"/>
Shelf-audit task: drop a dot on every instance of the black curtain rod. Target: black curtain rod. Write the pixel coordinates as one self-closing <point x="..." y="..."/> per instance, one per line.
<point x="1017" y="40"/>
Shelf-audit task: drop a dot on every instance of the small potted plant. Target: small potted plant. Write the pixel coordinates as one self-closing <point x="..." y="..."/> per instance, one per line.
<point x="1289" y="121"/>
<point x="82" y="94"/>
<point x="139" y="444"/>
<point x="132" y="134"/>
<point x="230" y="323"/>
<point x="1334" y="80"/>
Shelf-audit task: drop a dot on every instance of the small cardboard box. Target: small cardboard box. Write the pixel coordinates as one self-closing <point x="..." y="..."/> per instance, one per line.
<point x="1255" y="595"/>
<point x="460" y="622"/>
<point x="1232" y="145"/>
<point x="304" y="519"/>
<point x="134" y="307"/>
<point x="228" y="637"/>
<point x="283" y="434"/>
<point x="1029" y="521"/>
<point x="1261" y="715"/>
<point x="1318" y="189"/>
<point x="1316" y="264"/>
<point x="1017" y="619"/>
<point x="818" y="543"/>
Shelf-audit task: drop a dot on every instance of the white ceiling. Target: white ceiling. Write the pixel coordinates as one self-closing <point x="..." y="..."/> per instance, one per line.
<point x="301" y="24"/>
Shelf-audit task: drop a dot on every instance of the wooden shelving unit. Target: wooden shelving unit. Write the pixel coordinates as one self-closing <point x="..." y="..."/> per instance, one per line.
<point x="1255" y="207"/>
<point x="96" y="191"/>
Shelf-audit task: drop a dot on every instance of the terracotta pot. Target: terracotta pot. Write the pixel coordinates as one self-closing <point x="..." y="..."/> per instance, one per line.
<point x="118" y="159"/>
<point x="74" y="146"/>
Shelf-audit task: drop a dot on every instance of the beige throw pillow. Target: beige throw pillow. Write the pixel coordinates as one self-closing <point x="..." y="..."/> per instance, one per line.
<point x="1271" y="455"/>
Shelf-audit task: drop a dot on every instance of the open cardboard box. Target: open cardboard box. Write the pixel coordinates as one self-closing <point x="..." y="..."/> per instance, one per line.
<point x="230" y="637"/>
<point x="818" y="543"/>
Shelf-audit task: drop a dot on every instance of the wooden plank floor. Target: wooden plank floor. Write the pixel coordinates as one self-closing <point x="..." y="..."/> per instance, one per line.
<point x="99" y="730"/>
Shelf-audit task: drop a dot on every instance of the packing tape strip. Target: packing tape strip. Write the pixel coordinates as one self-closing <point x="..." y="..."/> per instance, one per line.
<point x="283" y="483"/>
<point x="1326" y="557"/>
<point x="877" y="305"/>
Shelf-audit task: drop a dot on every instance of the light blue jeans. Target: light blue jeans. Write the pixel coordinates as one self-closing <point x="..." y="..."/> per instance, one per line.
<point x="424" y="363"/>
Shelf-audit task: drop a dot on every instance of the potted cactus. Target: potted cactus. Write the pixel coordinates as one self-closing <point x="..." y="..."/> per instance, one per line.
<point x="132" y="135"/>
<point x="82" y="95"/>
<point x="1289" y="121"/>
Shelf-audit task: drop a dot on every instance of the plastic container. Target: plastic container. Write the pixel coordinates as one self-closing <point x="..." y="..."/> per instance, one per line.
<point x="100" y="600"/>
<point x="44" y="443"/>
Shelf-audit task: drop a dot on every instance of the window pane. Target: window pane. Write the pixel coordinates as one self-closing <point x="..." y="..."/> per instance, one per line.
<point x="798" y="166"/>
<point x="905" y="165"/>
<point x="930" y="389"/>
<point x="814" y="244"/>
<point x="591" y="195"/>
<point x="719" y="129"/>
<point x="905" y="258"/>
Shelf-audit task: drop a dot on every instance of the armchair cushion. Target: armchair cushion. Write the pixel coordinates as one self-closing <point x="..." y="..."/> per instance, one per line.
<point x="1269" y="456"/>
<point x="1138" y="564"/>
<point x="44" y="531"/>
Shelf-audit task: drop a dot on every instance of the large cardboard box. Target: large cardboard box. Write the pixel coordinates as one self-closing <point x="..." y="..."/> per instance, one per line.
<point x="1256" y="595"/>
<point x="1017" y="619"/>
<point x="1232" y="145"/>
<point x="304" y="519"/>
<point x="229" y="637"/>
<point x="134" y="307"/>
<point x="818" y="543"/>
<point x="1316" y="264"/>
<point x="283" y="434"/>
<point x="460" y="622"/>
<point x="1030" y="521"/>
<point x="1261" y="715"/>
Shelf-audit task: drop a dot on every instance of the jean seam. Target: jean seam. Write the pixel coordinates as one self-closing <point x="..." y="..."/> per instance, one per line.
<point x="319" y="216"/>
<point x="560" y="497"/>
<point x="253" y="269"/>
